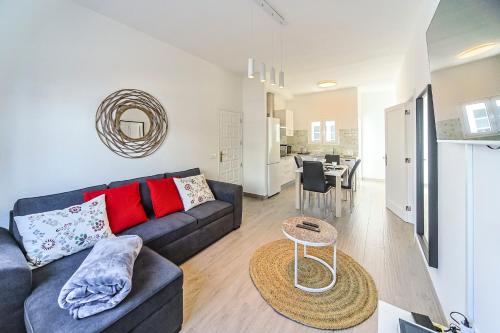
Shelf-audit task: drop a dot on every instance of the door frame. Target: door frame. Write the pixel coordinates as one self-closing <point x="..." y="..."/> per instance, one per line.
<point x="219" y="142"/>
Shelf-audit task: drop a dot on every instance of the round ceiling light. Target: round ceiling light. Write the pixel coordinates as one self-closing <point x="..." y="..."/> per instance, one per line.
<point x="475" y="50"/>
<point x="327" y="83"/>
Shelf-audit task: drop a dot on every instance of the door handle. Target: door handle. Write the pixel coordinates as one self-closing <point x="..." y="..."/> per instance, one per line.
<point x="220" y="156"/>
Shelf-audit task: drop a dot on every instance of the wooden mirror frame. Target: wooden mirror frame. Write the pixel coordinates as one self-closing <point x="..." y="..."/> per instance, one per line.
<point x="108" y="128"/>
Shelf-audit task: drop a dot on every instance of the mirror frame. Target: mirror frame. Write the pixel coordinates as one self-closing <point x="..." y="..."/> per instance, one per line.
<point x="430" y="248"/>
<point x="108" y="128"/>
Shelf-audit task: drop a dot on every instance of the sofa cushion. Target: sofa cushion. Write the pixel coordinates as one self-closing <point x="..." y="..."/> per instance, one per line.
<point x="156" y="233"/>
<point x="165" y="197"/>
<point x="183" y="174"/>
<point x="143" y="188"/>
<point x="155" y="281"/>
<point x="49" y="236"/>
<point x="47" y="203"/>
<point x="210" y="211"/>
<point x="123" y="205"/>
<point x="193" y="191"/>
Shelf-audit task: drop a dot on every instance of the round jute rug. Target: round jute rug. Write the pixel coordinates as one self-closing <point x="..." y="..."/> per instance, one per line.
<point x="351" y="301"/>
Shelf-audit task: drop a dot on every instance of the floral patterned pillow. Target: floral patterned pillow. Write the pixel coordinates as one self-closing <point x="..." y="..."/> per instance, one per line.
<point x="193" y="191"/>
<point x="52" y="235"/>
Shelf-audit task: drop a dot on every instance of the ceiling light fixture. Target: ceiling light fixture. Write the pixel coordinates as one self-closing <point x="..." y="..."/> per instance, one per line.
<point x="327" y="83"/>
<point x="262" y="72"/>
<point x="251" y="62"/>
<point x="475" y="50"/>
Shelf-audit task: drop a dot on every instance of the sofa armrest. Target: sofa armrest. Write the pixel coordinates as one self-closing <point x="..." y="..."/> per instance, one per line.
<point x="230" y="193"/>
<point x="15" y="283"/>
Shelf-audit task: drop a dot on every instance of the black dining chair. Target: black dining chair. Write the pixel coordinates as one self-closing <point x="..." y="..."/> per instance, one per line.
<point x="350" y="183"/>
<point x="315" y="182"/>
<point x="330" y="159"/>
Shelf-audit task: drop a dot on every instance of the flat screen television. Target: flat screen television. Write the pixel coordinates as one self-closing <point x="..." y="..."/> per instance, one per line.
<point x="463" y="43"/>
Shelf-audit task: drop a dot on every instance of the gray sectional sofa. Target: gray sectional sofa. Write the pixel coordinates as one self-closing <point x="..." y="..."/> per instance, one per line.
<point x="28" y="299"/>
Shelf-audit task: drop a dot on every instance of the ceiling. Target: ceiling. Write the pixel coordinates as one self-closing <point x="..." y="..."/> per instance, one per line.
<point x="459" y="25"/>
<point x="358" y="43"/>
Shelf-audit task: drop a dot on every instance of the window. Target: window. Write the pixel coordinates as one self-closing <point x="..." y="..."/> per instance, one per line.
<point x="323" y="132"/>
<point x="316" y="132"/>
<point x="330" y="131"/>
<point x="477" y="117"/>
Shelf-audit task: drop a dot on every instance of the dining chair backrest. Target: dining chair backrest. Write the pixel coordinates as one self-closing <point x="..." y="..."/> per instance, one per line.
<point x="332" y="158"/>
<point x="314" y="176"/>
<point x="298" y="161"/>
<point x="353" y="172"/>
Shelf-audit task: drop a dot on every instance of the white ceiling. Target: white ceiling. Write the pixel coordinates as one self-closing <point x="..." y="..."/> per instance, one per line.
<point x="459" y="25"/>
<point x="356" y="42"/>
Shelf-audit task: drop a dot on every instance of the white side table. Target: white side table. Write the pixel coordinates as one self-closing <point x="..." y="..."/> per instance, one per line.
<point x="326" y="237"/>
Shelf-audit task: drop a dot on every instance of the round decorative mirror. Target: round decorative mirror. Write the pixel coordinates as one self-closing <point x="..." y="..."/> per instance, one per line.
<point x="131" y="123"/>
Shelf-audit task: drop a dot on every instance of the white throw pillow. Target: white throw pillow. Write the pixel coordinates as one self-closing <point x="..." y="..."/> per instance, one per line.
<point x="52" y="235"/>
<point x="193" y="191"/>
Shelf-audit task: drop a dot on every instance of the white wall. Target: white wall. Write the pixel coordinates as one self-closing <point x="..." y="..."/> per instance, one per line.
<point x="460" y="205"/>
<point x="58" y="62"/>
<point x="371" y="110"/>
<point x="340" y="105"/>
<point x="254" y="137"/>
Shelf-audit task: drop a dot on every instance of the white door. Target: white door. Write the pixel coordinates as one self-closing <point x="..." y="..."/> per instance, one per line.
<point x="396" y="167"/>
<point x="230" y="147"/>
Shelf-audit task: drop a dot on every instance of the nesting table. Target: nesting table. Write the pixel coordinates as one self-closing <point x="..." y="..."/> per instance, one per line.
<point x="326" y="237"/>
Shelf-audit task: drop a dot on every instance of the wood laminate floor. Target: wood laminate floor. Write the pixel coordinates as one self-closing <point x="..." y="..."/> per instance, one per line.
<point x="219" y="295"/>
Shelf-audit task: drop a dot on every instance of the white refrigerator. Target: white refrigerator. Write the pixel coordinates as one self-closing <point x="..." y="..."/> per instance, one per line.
<point x="273" y="156"/>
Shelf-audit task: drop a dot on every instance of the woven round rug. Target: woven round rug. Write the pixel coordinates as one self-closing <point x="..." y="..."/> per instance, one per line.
<point x="351" y="301"/>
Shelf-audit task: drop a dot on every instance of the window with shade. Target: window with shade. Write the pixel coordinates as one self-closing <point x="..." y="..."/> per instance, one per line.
<point x="330" y="134"/>
<point x="316" y="132"/>
<point x="323" y="132"/>
<point x="482" y="117"/>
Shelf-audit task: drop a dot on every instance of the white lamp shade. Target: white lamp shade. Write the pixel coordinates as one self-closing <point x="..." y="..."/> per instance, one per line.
<point x="262" y="72"/>
<point x="282" y="79"/>
<point x="251" y="70"/>
<point x="272" y="76"/>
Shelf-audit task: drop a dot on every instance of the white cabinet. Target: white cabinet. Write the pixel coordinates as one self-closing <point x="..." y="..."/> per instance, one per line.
<point x="287" y="168"/>
<point x="286" y="120"/>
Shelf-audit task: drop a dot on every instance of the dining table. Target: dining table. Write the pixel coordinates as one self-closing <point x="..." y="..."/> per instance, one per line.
<point x="337" y="171"/>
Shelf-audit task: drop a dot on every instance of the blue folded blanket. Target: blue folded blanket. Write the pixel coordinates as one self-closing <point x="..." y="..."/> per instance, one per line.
<point x="103" y="279"/>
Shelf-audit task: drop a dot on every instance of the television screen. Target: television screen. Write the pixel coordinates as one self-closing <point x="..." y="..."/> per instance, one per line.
<point x="463" y="43"/>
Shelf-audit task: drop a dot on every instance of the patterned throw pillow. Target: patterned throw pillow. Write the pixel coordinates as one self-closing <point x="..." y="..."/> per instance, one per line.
<point x="52" y="235"/>
<point x="193" y="191"/>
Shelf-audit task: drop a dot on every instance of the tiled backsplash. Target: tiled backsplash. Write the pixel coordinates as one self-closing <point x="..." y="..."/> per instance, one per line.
<point x="347" y="143"/>
<point x="451" y="129"/>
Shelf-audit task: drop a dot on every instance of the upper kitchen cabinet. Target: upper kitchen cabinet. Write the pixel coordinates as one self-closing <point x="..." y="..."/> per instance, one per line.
<point x="286" y="120"/>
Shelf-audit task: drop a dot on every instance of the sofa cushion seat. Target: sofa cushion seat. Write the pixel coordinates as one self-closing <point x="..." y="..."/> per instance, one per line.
<point x="154" y="283"/>
<point x="210" y="211"/>
<point x="156" y="233"/>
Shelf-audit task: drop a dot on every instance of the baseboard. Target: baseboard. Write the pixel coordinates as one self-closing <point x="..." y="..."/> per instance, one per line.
<point x="257" y="196"/>
<point x="396" y="209"/>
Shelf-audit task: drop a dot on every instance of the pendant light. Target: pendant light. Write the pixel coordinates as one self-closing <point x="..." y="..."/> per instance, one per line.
<point x="272" y="73"/>
<point x="262" y="72"/>
<point x="272" y="76"/>
<point x="251" y="68"/>
<point x="251" y="61"/>
<point x="282" y="74"/>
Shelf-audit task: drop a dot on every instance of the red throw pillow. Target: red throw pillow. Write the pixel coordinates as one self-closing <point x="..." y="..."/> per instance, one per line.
<point x="165" y="197"/>
<point x="123" y="205"/>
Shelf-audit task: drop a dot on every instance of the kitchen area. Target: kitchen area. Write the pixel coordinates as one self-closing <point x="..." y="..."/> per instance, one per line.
<point x="295" y="142"/>
<point x="277" y="127"/>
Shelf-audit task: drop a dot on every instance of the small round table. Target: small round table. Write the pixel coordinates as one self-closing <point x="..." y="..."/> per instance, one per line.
<point x="326" y="237"/>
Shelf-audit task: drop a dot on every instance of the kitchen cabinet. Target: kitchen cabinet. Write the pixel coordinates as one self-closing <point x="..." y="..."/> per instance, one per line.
<point x="287" y="169"/>
<point x="286" y="120"/>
